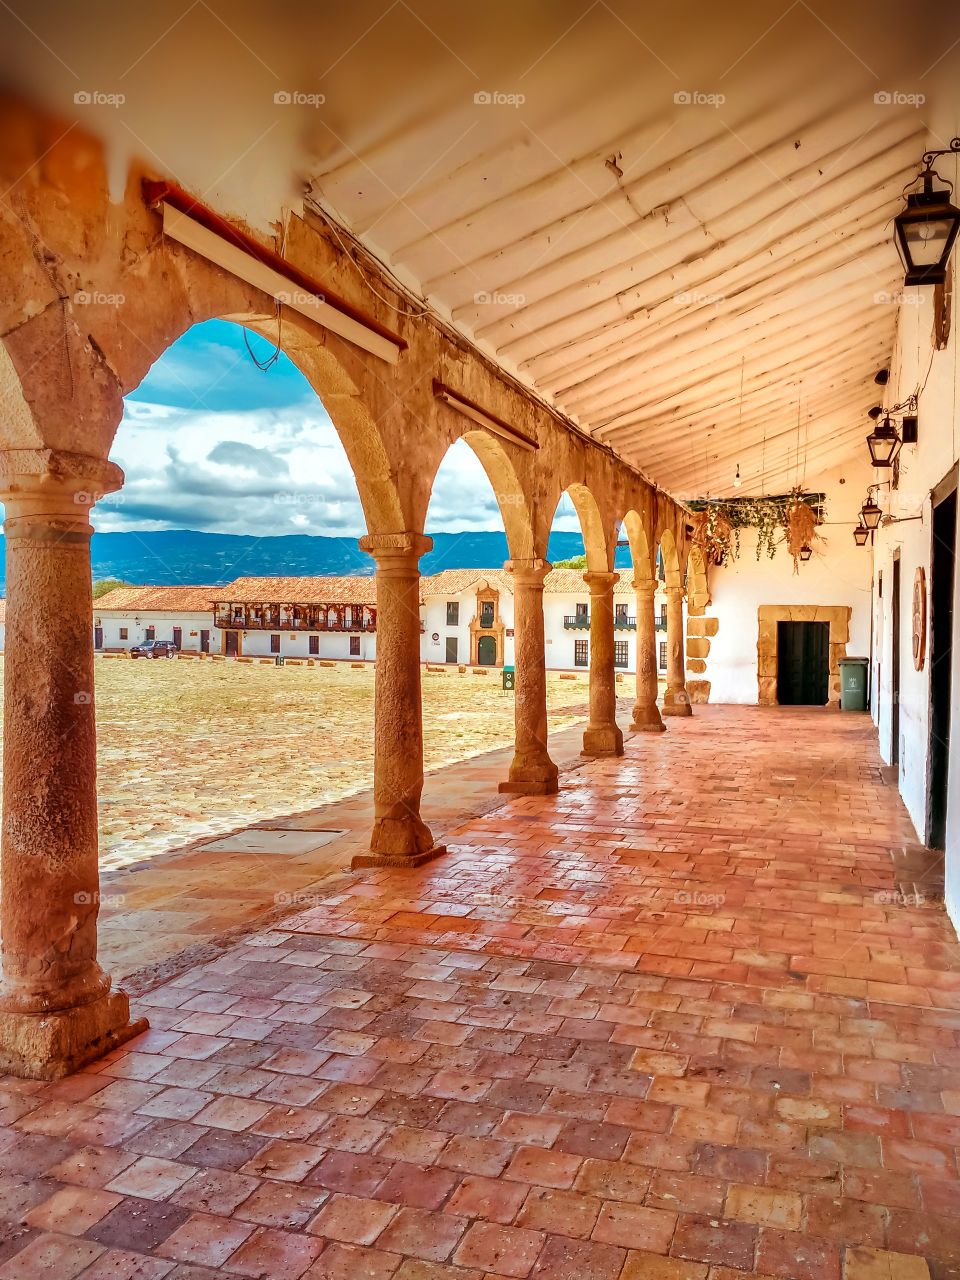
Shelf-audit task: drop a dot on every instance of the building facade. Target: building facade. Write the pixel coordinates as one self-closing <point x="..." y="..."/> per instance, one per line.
<point x="466" y="619"/>
<point x="308" y="617"/>
<point x="127" y="616"/>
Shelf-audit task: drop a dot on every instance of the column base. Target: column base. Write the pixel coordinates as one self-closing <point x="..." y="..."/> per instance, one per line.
<point x="532" y="774"/>
<point x="399" y="860"/>
<point x="607" y="741"/>
<point x="646" y="719"/>
<point x="48" y="1046"/>
<point x="530" y="787"/>
<point x="681" y="707"/>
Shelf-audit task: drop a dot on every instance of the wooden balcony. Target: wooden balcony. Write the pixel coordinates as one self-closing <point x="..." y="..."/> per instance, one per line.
<point x="228" y="620"/>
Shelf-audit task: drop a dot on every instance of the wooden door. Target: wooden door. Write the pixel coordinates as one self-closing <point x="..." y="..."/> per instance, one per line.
<point x="803" y="663"/>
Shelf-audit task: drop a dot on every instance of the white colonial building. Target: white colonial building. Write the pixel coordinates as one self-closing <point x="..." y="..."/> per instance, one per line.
<point x="466" y="619"/>
<point x="127" y="616"/>
<point x="309" y="617"/>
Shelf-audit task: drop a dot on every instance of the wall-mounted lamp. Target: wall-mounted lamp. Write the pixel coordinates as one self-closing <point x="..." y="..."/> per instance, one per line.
<point x="806" y="553"/>
<point x="927" y="228"/>
<point x="870" y="513"/>
<point x="860" y="534"/>
<point x="884" y="443"/>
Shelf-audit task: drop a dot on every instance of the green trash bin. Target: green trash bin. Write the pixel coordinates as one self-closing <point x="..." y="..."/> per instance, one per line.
<point x="509" y="678"/>
<point x="853" y="684"/>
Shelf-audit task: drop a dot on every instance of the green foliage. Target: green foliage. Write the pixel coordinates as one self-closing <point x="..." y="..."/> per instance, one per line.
<point x="721" y="520"/>
<point x="107" y="584"/>
<point x="575" y="562"/>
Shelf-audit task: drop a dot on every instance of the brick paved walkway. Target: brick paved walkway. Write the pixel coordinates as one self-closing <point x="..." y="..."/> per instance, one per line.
<point x="682" y="1022"/>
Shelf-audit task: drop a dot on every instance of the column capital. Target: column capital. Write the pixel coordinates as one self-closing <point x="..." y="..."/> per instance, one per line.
<point x="54" y="482"/>
<point x="646" y="588"/>
<point x="399" y="552"/>
<point x="676" y="593"/>
<point x="528" y="573"/>
<point x="600" y="583"/>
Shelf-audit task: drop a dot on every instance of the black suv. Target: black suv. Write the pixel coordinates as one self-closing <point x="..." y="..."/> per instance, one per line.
<point x="154" y="649"/>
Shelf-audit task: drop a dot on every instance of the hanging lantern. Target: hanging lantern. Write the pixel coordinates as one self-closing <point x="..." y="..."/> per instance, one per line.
<point x="805" y="553"/>
<point x="926" y="230"/>
<point x="884" y="443"/>
<point x="870" y="513"/>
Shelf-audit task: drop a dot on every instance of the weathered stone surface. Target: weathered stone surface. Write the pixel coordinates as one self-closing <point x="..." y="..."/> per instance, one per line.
<point x="699" y="690"/>
<point x="702" y="626"/>
<point x="697" y="647"/>
<point x="676" y="701"/>
<point x="602" y="736"/>
<point x="532" y="772"/>
<point x="398" y="831"/>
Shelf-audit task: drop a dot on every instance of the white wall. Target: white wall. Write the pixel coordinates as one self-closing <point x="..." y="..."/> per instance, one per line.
<point x="838" y="574"/>
<point x="922" y="466"/>
<point x="559" y="643"/>
<point x="136" y="624"/>
<point x="295" y="644"/>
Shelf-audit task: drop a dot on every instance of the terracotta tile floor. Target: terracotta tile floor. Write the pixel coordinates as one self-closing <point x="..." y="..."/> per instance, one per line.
<point x="678" y="1023"/>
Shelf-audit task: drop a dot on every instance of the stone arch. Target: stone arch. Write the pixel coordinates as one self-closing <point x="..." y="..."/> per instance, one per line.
<point x="507" y="489"/>
<point x="671" y="559"/>
<point x="351" y="418"/>
<point x="643" y="567"/>
<point x="595" y="541"/>
<point x="18" y="428"/>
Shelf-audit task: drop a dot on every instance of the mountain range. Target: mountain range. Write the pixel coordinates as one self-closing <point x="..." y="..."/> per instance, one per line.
<point x="173" y="557"/>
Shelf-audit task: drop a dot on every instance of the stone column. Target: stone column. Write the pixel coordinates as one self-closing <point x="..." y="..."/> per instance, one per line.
<point x="57" y="1008"/>
<point x="676" y="701"/>
<point x="532" y="772"/>
<point x="646" y="714"/>
<point x="399" y="838"/>
<point x="602" y="737"/>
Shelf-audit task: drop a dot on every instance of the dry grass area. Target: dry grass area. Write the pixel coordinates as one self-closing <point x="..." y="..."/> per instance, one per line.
<point x="189" y="748"/>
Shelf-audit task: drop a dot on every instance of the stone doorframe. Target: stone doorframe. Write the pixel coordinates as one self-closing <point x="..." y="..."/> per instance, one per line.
<point x="492" y="595"/>
<point x="838" y="618"/>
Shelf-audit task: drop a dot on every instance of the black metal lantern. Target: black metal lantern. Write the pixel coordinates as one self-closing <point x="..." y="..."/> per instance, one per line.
<point x="884" y="443"/>
<point x="927" y="228"/>
<point x="870" y="513"/>
<point x="805" y="553"/>
<point x="860" y="534"/>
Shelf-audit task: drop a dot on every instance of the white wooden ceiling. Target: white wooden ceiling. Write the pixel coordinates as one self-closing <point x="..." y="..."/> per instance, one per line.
<point x="658" y="202"/>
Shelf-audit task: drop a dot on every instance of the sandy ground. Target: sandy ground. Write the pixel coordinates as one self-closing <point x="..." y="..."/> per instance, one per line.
<point x="189" y="749"/>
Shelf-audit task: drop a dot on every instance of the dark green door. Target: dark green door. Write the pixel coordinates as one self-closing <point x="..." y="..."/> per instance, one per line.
<point x="452" y="649"/>
<point x="803" y="663"/>
<point x="486" y="652"/>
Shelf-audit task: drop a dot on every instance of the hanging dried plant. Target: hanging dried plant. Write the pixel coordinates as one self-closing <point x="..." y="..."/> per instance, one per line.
<point x="713" y="533"/>
<point x="718" y="521"/>
<point x="800" y="523"/>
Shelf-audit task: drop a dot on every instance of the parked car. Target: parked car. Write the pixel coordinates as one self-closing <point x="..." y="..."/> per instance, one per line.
<point x="154" y="649"/>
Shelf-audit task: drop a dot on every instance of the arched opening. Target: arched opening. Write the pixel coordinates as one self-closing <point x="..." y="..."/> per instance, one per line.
<point x="648" y="630"/>
<point x="639" y="547"/>
<point x="467" y="603"/>
<point x="577" y="511"/>
<point x="233" y="544"/>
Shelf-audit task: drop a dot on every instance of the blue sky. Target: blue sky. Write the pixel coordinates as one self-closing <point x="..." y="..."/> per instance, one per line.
<point x="209" y="441"/>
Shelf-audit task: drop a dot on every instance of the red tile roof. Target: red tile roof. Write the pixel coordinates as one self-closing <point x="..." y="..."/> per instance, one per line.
<point x="453" y="582"/>
<point x="149" y="599"/>
<point x="315" y="590"/>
